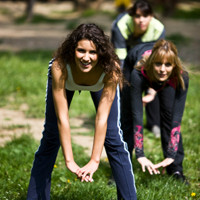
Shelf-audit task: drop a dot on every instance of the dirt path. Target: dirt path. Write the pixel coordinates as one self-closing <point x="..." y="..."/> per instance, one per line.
<point x="13" y="123"/>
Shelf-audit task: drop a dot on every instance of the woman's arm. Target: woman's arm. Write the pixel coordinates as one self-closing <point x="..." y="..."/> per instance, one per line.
<point x="137" y="88"/>
<point x="107" y="97"/>
<point x="61" y="109"/>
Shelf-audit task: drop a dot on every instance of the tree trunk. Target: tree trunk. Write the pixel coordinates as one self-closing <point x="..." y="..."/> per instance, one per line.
<point x="29" y="10"/>
<point x="81" y="5"/>
<point x="98" y="4"/>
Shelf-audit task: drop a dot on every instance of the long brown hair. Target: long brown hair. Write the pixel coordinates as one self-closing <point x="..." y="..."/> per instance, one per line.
<point x="164" y="49"/>
<point x="108" y="60"/>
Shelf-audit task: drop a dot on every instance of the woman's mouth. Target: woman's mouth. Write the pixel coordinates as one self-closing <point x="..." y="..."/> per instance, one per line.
<point x="161" y="75"/>
<point x="85" y="63"/>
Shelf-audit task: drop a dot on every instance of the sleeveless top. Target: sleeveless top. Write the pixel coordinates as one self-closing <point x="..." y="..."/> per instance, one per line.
<point x="72" y="86"/>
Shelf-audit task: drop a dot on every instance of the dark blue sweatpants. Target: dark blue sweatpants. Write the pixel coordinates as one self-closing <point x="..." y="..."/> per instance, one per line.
<point x="116" y="149"/>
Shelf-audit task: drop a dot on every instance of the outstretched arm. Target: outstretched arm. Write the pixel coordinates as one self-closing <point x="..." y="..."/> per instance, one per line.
<point x="103" y="111"/>
<point x="61" y="109"/>
<point x="138" y="84"/>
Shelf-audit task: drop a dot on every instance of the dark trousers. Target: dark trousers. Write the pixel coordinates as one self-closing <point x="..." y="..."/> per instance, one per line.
<point x="153" y="113"/>
<point x="116" y="149"/>
<point x="166" y="112"/>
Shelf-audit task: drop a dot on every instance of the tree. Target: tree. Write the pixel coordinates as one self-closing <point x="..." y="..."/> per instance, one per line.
<point x="81" y="5"/>
<point x="29" y="9"/>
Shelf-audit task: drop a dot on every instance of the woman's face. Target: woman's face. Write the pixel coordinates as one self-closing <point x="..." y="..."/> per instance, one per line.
<point x="141" y="22"/>
<point x="162" y="70"/>
<point x="86" y="56"/>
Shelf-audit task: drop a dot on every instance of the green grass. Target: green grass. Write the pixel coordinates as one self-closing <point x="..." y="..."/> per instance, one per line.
<point x="181" y="14"/>
<point x="38" y="18"/>
<point x="192" y="14"/>
<point x="23" y="80"/>
<point x="179" y="39"/>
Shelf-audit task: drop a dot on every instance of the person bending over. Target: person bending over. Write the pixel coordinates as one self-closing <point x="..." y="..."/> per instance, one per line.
<point x="162" y="70"/>
<point x="84" y="61"/>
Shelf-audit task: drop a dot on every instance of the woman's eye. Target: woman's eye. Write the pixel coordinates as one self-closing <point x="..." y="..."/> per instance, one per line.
<point x="137" y="16"/>
<point x="80" y="50"/>
<point x="168" y="64"/>
<point x="93" y="52"/>
<point x="158" y="63"/>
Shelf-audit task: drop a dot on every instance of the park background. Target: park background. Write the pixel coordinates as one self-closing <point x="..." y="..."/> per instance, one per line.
<point x="27" y="41"/>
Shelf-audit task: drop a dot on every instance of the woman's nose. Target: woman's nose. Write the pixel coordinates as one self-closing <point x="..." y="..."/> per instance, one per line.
<point x="141" y="19"/>
<point x="162" y="68"/>
<point x="86" y="56"/>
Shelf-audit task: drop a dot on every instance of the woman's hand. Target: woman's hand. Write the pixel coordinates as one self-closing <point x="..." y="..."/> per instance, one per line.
<point x="146" y="163"/>
<point x="85" y="173"/>
<point x="149" y="97"/>
<point x="72" y="166"/>
<point x="164" y="163"/>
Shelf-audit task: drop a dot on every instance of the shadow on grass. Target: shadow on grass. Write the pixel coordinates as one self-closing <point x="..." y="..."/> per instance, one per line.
<point x="42" y="55"/>
<point x="179" y="39"/>
<point x="187" y="15"/>
<point x="39" y="19"/>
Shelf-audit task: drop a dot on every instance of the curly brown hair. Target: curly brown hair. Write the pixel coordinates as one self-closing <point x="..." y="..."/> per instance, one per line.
<point x="108" y="59"/>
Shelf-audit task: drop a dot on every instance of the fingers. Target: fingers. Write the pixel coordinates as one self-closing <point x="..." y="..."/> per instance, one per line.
<point x="90" y="178"/>
<point x="84" y="176"/>
<point x="155" y="171"/>
<point x="158" y="165"/>
<point x="152" y="170"/>
<point x="143" y="168"/>
<point x="164" y="163"/>
<point x="145" y="163"/>
<point x="79" y="173"/>
<point x="87" y="178"/>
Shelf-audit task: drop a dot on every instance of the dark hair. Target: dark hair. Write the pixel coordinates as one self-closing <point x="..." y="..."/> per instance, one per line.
<point x="144" y="6"/>
<point x="108" y="59"/>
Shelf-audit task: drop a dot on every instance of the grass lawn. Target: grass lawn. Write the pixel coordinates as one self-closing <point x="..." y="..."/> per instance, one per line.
<point x="23" y="80"/>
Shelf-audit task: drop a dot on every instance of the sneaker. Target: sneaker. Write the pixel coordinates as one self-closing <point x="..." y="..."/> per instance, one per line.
<point x="156" y="131"/>
<point x="179" y="176"/>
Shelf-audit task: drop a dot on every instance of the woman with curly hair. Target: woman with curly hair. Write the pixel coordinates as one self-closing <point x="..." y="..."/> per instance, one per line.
<point x="161" y="70"/>
<point x="85" y="61"/>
